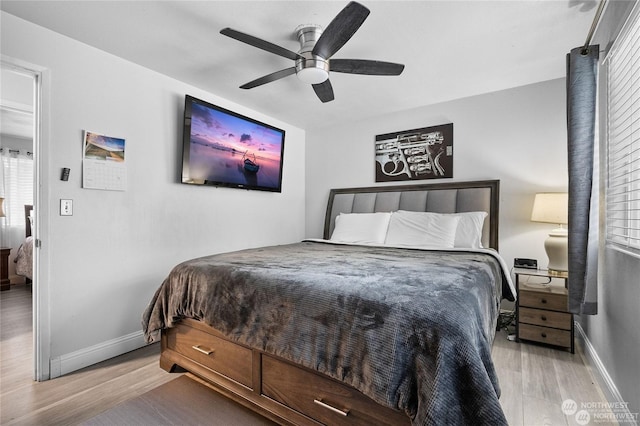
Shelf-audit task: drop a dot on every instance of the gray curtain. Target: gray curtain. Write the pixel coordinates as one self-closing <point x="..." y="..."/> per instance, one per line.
<point x="582" y="73"/>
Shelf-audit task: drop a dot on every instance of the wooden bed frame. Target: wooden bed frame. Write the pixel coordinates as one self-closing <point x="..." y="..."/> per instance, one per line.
<point x="293" y="395"/>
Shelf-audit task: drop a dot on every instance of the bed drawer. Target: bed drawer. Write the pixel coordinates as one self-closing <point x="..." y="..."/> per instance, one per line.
<point x="550" y="336"/>
<point x="224" y="357"/>
<point x="545" y="318"/>
<point x="536" y="299"/>
<point x="321" y="398"/>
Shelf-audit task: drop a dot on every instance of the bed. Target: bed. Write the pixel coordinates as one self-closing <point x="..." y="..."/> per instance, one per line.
<point x="369" y="325"/>
<point x="24" y="256"/>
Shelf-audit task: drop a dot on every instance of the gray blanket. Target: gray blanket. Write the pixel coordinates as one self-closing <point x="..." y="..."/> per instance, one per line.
<point x="411" y="329"/>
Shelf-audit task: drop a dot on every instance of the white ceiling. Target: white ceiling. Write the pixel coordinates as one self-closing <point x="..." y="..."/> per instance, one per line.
<point x="451" y="49"/>
<point x="16" y="104"/>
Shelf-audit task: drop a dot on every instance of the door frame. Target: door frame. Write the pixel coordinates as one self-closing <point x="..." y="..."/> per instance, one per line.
<point x="41" y="204"/>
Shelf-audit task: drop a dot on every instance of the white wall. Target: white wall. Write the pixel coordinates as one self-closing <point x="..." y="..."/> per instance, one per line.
<point x="13" y="142"/>
<point x="516" y="135"/>
<point x="100" y="267"/>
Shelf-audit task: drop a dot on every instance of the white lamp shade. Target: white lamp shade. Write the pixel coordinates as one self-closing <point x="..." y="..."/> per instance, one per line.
<point x="551" y="207"/>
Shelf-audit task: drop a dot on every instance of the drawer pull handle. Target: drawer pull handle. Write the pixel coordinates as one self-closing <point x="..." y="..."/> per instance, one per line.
<point x="543" y="300"/>
<point x="204" y="351"/>
<point x="343" y="412"/>
<point x="543" y="318"/>
<point x="544" y="335"/>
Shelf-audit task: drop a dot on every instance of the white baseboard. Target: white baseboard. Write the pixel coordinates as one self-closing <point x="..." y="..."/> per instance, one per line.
<point x="92" y="355"/>
<point x="607" y="384"/>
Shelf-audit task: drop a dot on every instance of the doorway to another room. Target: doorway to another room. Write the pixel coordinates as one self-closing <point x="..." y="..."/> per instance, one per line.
<point x="17" y="182"/>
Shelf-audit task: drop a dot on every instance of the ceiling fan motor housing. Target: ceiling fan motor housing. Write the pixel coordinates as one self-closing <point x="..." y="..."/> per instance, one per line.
<point x="312" y="69"/>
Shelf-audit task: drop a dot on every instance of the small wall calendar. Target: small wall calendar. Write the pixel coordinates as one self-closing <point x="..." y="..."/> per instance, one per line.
<point x="103" y="165"/>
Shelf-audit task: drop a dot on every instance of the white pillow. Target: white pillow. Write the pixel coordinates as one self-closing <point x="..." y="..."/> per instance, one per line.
<point x="422" y="229"/>
<point x="361" y="228"/>
<point x="469" y="232"/>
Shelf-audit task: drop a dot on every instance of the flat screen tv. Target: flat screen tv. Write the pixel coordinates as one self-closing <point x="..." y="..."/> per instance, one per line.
<point x="224" y="148"/>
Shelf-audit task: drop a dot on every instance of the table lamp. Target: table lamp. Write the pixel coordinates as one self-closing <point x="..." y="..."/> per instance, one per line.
<point x="1" y="207"/>
<point x="552" y="207"/>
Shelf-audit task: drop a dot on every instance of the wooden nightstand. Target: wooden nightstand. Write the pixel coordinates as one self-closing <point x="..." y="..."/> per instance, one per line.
<point x="5" y="283"/>
<point x="541" y="311"/>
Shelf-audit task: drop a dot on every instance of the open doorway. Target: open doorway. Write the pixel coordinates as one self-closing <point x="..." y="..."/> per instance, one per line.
<point x="18" y="124"/>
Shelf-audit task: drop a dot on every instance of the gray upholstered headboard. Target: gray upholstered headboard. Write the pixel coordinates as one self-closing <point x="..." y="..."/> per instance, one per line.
<point x="449" y="197"/>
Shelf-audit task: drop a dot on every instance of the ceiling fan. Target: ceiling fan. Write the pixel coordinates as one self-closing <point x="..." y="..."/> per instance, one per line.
<point x="312" y="61"/>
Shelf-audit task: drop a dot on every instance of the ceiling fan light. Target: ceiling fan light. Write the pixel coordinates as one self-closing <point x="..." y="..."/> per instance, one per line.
<point x="313" y="75"/>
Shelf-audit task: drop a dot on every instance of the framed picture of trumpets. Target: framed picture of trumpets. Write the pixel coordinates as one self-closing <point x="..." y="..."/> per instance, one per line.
<point x="416" y="154"/>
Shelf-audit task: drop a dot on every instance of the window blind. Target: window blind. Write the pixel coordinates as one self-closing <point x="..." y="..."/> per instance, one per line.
<point x="17" y="170"/>
<point x="623" y="138"/>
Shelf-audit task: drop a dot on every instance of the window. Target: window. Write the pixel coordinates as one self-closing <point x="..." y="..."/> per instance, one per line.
<point x="623" y="138"/>
<point x="17" y="185"/>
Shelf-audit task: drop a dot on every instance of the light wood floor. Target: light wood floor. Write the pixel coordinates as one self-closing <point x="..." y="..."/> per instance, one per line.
<point x="535" y="380"/>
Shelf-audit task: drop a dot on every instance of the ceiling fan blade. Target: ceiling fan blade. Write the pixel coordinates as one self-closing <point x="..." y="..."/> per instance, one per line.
<point x="260" y="44"/>
<point x="324" y="91"/>
<point x="340" y="29"/>
<point x="365" y="66"/>
<point x="269" y="78"/>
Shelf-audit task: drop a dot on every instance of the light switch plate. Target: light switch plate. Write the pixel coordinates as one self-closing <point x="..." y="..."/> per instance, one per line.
<point x="66" y="207"/>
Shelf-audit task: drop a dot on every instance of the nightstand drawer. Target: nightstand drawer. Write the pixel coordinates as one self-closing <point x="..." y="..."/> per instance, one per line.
<point x="545" y="318"/>
<point x="550" y="336"/>
<point x="537" y="299"/>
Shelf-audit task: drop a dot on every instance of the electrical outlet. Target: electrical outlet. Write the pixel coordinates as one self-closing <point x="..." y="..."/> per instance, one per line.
<point x="66" y="207"/>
